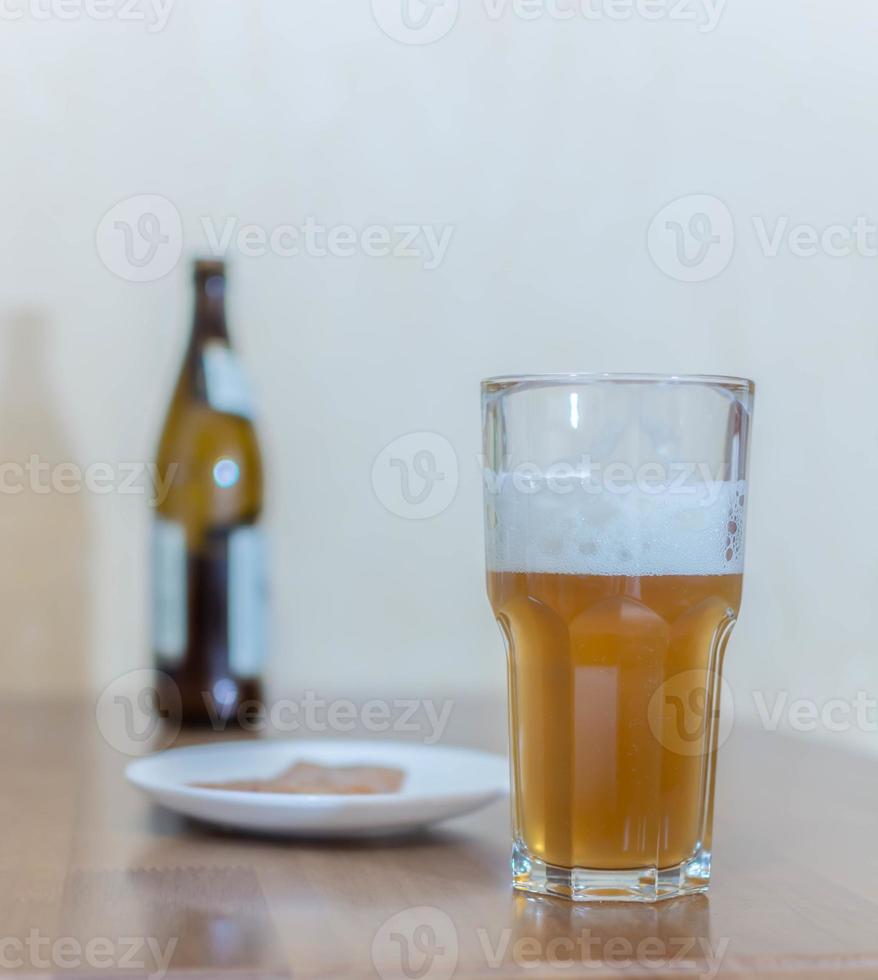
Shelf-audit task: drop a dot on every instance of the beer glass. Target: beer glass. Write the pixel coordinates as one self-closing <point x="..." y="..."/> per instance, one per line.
<point x="614" y="523"/>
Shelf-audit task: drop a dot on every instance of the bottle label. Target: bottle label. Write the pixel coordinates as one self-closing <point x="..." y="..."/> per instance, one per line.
<point x="248" y="600"/>
<point x="227" y="388"/>
<point x="169" y="592"/>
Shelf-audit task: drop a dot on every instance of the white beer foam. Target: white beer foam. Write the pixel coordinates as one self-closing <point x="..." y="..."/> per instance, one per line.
<point x="598" y="531"/>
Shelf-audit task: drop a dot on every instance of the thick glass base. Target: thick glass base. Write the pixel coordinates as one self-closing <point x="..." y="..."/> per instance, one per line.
<point x="590" y="885"/>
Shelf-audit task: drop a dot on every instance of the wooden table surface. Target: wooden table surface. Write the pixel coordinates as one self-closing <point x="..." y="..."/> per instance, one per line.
<point x="84" y="859"/>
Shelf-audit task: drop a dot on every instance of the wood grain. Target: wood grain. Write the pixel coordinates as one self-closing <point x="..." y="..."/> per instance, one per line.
<point x="85" y="859"/>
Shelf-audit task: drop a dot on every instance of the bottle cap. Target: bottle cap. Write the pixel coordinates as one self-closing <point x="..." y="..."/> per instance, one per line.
<point x="207" y="268"/>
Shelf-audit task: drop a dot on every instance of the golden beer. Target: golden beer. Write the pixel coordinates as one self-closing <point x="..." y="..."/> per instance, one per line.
<point x="612" y="705"/>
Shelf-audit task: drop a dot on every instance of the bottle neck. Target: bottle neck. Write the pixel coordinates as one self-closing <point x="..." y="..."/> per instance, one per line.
<point x="209" y="322"/>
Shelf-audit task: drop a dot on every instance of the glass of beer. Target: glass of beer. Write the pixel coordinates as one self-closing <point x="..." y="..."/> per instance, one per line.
<point x="614" y="517"/>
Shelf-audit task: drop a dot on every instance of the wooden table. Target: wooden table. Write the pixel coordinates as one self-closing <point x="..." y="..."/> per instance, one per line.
<point x="84" y="859"/>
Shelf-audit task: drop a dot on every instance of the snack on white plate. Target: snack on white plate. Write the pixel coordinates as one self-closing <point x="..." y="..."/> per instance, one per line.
<point x="313" y="779"/>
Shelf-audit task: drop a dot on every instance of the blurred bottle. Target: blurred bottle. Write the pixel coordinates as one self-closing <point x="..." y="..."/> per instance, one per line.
<point x="209" y="588"/>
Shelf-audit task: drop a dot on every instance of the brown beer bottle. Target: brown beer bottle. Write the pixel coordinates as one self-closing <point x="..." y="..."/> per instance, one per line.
<point x="209" y="588"/>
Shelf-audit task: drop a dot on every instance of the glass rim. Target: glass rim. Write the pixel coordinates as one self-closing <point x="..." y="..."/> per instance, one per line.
<point x="508" y="381"/>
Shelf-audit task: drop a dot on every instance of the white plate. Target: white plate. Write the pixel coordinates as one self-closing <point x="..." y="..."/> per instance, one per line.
<point x="439" y="783"/>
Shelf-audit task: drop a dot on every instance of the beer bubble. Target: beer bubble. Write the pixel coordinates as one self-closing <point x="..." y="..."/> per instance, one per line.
<point x="613" y="533"/>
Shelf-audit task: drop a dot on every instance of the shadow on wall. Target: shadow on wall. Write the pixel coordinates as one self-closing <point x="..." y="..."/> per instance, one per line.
<point x="45" y="549"/>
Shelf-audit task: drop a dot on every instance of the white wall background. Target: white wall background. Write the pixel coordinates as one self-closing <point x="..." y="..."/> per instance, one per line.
<point x="549" y="145"/>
